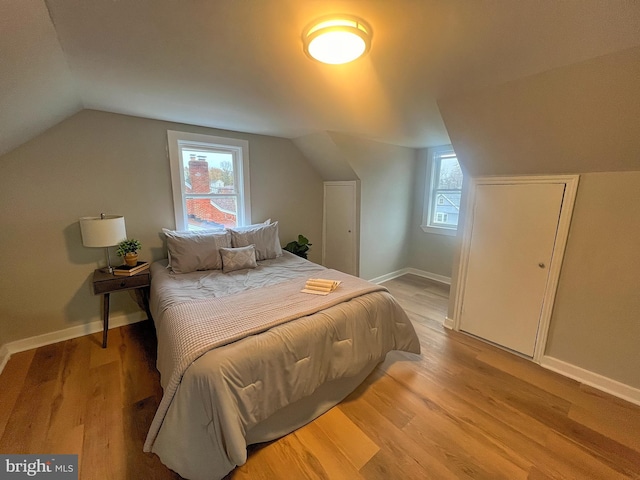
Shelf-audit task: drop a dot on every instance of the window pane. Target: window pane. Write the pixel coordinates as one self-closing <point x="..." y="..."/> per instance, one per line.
<point x="450" y="174"/>
<point x="207" y="213"/>
<point x="447" y="208"/>
<point x="208" y="181"/>
<point x="443" y="191"/>
<point x="208" y="172"/>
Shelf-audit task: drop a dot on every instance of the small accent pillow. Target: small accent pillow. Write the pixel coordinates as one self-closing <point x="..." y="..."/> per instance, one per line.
<point x="238" y="258"/>
<point x="264" y="237"/>
<point x="192" y="251"/>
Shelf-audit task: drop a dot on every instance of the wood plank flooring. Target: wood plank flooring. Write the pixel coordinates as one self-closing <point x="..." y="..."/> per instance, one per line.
<point x="461" y="410"/>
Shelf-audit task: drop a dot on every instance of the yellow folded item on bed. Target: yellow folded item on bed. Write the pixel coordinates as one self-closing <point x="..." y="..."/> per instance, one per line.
<point x="319" y="286"/>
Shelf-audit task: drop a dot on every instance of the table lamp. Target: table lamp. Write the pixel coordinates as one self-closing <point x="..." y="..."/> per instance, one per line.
<point x="103" y="231"/>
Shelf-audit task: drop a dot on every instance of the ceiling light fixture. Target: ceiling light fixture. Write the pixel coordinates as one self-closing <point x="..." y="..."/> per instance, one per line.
<point x="337" y="39"/>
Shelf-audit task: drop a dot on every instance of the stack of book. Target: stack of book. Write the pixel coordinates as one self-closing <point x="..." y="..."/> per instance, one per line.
<point x="320" y="286"/>
<point x="128" y="270"/>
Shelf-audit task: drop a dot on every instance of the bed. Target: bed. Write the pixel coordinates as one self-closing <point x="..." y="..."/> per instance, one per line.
<point x="245" y="357"/>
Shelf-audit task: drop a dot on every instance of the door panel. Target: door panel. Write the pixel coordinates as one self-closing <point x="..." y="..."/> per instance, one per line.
<point x="339" y="244"/>
<point x="512" y="239"/>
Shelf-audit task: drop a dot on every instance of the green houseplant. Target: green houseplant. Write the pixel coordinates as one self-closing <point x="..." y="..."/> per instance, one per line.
<point x="129" y="250"/>
<point x="299" y="247"/>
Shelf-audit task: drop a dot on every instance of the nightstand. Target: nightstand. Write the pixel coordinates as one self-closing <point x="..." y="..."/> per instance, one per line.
<point x="106" y="283"/>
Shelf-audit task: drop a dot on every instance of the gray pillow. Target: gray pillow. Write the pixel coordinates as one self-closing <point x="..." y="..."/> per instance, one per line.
<point x="191" y="251"/>
<point x="238" y="258"/>
<point x="249" y="227"/>
<point x="264" y="237"/>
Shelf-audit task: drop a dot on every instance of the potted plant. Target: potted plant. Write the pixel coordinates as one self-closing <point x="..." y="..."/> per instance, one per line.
<point x="299" y="247"/>
<point x="129" y="250"/>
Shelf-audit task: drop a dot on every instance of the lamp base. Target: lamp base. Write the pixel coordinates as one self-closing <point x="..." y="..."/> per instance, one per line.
<point x="108" y="269"/>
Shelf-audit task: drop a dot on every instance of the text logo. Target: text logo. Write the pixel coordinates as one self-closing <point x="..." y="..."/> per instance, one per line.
<point x="50" y="467"/>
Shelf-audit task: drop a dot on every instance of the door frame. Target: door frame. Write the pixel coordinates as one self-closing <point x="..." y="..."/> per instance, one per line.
<point x="562" y="233"/>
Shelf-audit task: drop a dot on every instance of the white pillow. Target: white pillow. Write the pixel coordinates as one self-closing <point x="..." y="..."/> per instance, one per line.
<point x="191" y="251"/>
<point x="264" y="237"/>
<point x="219" y="229"/>
<point x="238" y="258"/>
<point x="249" y="227"/>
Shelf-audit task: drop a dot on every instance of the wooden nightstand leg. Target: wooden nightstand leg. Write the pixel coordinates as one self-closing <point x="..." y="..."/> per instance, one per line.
<point x="105" y="319"/>
<point x="145" y="297"/>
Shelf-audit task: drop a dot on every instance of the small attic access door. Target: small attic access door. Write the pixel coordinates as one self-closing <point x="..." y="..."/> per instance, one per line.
<point x="340" y="235"/>
<point x="512" y="252"/>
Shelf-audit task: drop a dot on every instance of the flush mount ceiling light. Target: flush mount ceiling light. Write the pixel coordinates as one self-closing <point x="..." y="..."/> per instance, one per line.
<point x="337" y="39"/>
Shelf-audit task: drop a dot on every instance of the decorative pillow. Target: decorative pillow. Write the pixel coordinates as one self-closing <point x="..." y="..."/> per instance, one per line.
<point x="238" y="258"/>
<point x="191" y="251"/>
<point x="264" y="237"/>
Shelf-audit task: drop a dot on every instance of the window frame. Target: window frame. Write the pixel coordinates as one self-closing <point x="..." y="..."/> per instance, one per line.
<point x="434" y="156"/>
<point x="240" y="151"/>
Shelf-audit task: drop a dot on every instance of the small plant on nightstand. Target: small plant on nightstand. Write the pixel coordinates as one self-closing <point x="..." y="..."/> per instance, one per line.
<point x="128" y="249"/>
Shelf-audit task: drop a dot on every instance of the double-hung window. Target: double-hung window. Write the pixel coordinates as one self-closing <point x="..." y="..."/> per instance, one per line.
<point x="443" y="191"/>
<point x="210" y="181"/>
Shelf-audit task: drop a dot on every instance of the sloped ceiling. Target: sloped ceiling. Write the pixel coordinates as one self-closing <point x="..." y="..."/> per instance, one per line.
<point x="580" y="118"/>
<point x="36" y="86"/>
<point x="326" y="157"/>
<point x="239" y="65"/>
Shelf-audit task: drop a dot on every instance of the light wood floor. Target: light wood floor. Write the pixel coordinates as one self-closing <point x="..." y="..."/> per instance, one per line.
<point x="463" y="409"/>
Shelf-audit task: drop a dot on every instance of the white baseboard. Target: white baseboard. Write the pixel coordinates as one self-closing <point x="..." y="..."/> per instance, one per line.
<point x="389" y="276"/>
<point x="431" y="276"/>
<point x="115" y="321"/>
<point x="412" y="271"/>
<point x="618" y="389"/>
<point x="448" y="323"/>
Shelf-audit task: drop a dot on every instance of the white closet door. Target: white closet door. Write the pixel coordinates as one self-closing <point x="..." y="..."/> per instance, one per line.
<point x="513" y="233"/>
<point x="339" y="245"/>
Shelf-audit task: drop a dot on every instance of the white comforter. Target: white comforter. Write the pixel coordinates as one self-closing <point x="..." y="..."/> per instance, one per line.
<point x="264" y="385"/>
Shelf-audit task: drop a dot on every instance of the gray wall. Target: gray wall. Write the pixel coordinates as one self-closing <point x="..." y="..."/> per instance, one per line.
<point x="97" y="162"/>
<point x="386" y="174"/>
<point x="430" y="252"/>
<point x="596" y="320"/>
<point x="577" y="119"/>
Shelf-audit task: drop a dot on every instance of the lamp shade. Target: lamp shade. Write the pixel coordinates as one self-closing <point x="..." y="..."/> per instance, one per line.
<point x="102" y="231"/>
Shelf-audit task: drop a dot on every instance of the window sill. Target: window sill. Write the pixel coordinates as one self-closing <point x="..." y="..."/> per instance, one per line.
<point x="451" y="232"/>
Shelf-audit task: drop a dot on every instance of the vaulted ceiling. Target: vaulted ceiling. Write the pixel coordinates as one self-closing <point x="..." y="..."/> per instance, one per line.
<point x="239" y="65"/>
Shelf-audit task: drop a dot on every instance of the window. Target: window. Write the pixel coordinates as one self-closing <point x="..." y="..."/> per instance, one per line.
<point x="210" y="181"/>
<point x="442" y="192"/>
